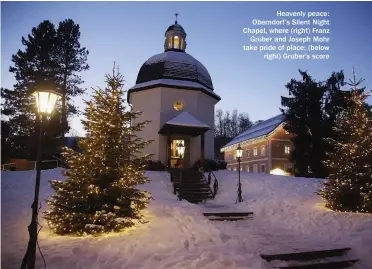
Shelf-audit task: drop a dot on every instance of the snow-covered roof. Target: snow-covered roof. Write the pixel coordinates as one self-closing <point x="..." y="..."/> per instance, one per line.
<point x="188" y="120"/>
<point x="257" y="130"/>
<point x="177" y="64"/>
<point x="174" y="82"/>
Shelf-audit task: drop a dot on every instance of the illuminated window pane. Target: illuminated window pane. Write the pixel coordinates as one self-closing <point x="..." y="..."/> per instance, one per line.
<point x="176" y="42"/>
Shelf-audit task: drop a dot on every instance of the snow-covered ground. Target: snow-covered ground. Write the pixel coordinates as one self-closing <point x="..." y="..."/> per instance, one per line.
<point x="288" y="215"/>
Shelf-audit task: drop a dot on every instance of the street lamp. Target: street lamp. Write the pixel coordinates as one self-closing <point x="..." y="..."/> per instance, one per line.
<point x="181" y="151"/>
<point x="239" y="153"/>
<point x="45" y="98"/>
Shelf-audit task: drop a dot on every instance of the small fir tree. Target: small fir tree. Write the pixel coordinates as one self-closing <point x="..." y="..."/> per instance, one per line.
<point x="349" y="187"/>
<point x="100" y="194"/>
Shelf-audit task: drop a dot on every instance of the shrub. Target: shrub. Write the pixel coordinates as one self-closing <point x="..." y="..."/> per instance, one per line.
<point x="208" y="164"/>
<point x="154" y="165"/>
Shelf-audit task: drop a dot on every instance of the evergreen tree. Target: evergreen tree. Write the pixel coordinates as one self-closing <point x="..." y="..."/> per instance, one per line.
<point x="302" y="114"/>
<point x="349" y="187"/>
<point x="310" y="112"/>
<point x="100" y="193"/>
<point x="71" y="60"/>
<point x="43" y="58"/>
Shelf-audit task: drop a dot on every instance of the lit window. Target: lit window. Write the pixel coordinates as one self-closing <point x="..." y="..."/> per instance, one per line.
<point x="263" y="150"/>
<point x="169" y="42"/>
<point x="255" y="168"/>
<point x="287" y="149"/>
<point x="247" y="168"/>
<point x="286" y="132"/>
<point x="247" y="153"/>
<point x="255" y="151"/>
<point x="176" y="42"/>
<point x="234" y="168"/>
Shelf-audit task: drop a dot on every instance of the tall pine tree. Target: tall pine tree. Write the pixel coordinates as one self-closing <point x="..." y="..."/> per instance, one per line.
<point x="100" y="194"/>
<point x="44" y="57"/>
<point x="310" y="111"/>
<point x="349" y="187"/>
<point x="302" y="112"/>
<point x="71" y="60"/>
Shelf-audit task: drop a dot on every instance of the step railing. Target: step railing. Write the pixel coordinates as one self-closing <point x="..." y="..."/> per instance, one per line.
<point x="209" y="179"/>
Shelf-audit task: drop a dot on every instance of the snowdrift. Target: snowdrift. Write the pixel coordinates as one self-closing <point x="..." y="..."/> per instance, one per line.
<point x="288" y="215"/>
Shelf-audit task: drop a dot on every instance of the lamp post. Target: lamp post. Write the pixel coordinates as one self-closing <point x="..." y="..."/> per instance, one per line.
<point x="239" y="153"/>
<point x="45" y="99"/>
<point x="181" y="151"/>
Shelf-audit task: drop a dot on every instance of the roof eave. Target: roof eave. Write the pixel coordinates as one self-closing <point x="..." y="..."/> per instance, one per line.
<point x="262" y="137"/>
<point x="162" y="84"/>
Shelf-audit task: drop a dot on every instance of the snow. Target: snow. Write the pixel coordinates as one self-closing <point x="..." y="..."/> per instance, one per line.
<point x="260" y="129"/>
<point x="187" y="119"/>
<point x="288" y="216"/>
<point x="174" y="82"/>
<point x="182" y="57"/>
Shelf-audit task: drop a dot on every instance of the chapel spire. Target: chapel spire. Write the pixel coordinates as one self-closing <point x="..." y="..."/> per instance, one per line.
<point x="175" y="37"/>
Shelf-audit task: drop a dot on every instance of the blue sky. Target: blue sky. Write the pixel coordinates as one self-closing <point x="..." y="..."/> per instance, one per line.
<point x="131" y="32"/>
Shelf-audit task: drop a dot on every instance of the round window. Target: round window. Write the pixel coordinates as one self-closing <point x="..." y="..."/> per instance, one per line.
<point x="178" y="105"/>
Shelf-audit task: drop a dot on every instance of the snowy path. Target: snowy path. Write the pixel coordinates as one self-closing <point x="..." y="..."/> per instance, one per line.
<point x="286" y="217"/>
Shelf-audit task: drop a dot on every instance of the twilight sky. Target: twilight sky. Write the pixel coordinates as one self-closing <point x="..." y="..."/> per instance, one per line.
<point x="131" y="32"/>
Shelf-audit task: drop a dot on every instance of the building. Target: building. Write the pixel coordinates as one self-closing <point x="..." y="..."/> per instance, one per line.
<point x="175" y="93"/>
<point x="266" y="148"/>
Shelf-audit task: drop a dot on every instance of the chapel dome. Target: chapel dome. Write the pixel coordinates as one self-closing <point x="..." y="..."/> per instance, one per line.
<point x="175" y="26"/>
<point x="177" y="65"/>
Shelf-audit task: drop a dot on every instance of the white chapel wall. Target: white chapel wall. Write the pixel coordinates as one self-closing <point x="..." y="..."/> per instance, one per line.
<point x="149" y="102"/>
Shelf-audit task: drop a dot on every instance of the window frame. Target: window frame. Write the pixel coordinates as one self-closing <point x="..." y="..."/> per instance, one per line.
<point x="255" y="152"/>
<point x="285" y="149"/>
<point x="263" y="152"/>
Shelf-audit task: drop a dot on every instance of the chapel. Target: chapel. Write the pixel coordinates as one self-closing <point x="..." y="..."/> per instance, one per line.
<point x="176" y="94"/>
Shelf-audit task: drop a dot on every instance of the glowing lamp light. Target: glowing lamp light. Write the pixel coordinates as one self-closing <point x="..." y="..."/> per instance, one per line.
<point x="46" y="100"/>
<point x="180" y="149"/>
<point x="239" y="152"/>
<point x="278" y="172"/>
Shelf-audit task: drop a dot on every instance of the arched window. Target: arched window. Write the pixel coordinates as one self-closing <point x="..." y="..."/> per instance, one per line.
<point x="169" y="42"/>
<point x="176" y="42"/>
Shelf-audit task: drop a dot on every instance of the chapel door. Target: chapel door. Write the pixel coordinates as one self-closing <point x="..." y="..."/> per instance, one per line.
<point x="176" y="160"/>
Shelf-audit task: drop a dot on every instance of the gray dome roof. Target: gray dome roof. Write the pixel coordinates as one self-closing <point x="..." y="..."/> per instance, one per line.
<point x="176" y="27"/>
<point x="174" y="65"/>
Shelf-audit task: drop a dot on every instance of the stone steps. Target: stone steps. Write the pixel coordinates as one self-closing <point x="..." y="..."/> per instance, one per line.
<point x="228" y="216"/>
<point x="317" y="259"/>
<point x="193" y="186"/>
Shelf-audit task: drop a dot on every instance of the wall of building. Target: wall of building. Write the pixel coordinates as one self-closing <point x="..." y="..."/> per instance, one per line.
<point x="149" y="102"/>
<point x="157" y="105"/>
<point x="275" y="155"/>
<point x="250" y="159"/>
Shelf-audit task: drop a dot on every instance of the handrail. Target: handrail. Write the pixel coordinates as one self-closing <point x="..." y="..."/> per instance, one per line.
<point x="7" y="165"/>
<point x="29" y="164"/>
<point x="215" y="183"/>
